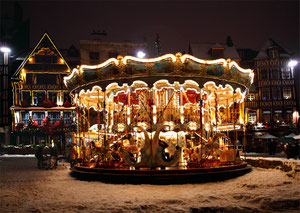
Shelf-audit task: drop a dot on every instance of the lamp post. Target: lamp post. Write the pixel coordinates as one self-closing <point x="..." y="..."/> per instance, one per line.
<point x="4" y="87"/>
<point x="5" y="51"/>
<point x="292" y="64"/>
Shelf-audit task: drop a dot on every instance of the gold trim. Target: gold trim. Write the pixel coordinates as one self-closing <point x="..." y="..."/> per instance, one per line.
<point x="33" y="52"/>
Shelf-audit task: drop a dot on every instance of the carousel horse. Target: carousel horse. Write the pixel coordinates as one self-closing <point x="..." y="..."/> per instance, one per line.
<point x="152" y="153"/>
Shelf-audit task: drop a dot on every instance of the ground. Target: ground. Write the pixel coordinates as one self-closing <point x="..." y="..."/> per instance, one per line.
<point x="24" y="188"/>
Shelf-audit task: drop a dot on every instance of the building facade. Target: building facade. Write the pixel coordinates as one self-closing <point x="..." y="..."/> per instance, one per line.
<point x="42" y="111"/>
<point x="213" y="51"/>
<point x="94" y="52"/>
<point x="271" y="104"/>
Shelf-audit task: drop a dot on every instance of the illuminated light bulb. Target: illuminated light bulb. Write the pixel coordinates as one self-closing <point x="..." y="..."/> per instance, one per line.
<point x="5" y="50"/>
<point x="154" y="119"/>
<point x="141" y="54"/>
<point x="292" y="63"/>
<point x="181" y="109"/>
<point x="173" y="58"/>
<point x="182" y="119"/>
<point x="149" y="59"/>
<point x="154" y="109"/>
<point x="207" y="127"/>
<point x="62" y="60"/>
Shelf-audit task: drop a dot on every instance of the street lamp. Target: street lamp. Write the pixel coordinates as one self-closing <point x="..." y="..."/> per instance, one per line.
<point x="4" y="100"/>
<point x="141" y="54"/>
<point x="5" y="49"/>
<point x="292" y="64"/>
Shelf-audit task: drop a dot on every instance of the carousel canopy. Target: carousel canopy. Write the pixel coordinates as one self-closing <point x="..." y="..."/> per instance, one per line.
<point x="174" y="68"/>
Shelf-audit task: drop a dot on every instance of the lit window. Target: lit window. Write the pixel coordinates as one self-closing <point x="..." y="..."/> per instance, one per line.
<point x="25" y="117"/>
<point x="35" y="101"/>
<point x="277" y="117"/>
<point x="265" y="93"/>
<point x="38" y="98"/>
<point x="273" y="53"/>
<point x="27" y="97"/>
<point x="251" y="97"/>
<point x="286" y="73"/>
<point x="266" y="116"/>
<point x="276" y="93"/>
<point x="263" y="74"/>
<point x="288" y="115"/>
<point x="54" y="116"/>
<point x="287" y="93"/>
<point x="38" y="117"/>
<point x="52" y="97"/>
<point x="252" y="117"/>
<point x="275" y="74"/>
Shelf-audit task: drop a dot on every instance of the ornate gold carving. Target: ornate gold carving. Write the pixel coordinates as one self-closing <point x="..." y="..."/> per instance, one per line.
<point x="227" y="74"/>
<point x="99" y="74"/>
<point x="178" y="66"/>
<point x="121" y="66"/>
<point x="149" y="68"/>
<point x="80" y="79"/>
<point x="44" y="51"/>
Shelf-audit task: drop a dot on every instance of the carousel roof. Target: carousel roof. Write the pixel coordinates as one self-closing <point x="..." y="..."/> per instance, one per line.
<point x="171" y="67"/>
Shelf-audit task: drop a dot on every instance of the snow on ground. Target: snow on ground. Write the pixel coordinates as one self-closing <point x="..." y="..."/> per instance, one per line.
<point x="24" y="188"/>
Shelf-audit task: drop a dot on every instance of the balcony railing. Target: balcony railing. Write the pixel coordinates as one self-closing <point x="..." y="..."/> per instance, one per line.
<point x="27" y="86"/>
<point x="54" y="86"/>
<point x="39" y="86"/>
<point x="251" y="104"/>
<point x="44" y="87"/>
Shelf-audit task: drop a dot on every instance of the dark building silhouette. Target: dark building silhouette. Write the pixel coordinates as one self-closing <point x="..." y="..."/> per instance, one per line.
<point x="14" y="35"/>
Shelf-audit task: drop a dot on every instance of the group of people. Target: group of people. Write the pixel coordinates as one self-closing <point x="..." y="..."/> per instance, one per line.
<point x="292" y="150"/>
<point x="47" y="157"/>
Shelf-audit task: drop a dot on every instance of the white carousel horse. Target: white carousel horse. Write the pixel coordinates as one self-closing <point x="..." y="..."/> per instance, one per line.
<point x="152" y="153"/>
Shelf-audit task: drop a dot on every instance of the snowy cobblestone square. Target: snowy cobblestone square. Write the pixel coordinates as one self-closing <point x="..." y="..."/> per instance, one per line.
<point x="24" y="188"/>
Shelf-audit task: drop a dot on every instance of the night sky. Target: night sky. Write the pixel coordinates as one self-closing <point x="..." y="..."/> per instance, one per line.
<point x="250" y="23"/>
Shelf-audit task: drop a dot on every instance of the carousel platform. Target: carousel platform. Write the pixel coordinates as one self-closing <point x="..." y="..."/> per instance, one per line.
<point x="169" y="175"/>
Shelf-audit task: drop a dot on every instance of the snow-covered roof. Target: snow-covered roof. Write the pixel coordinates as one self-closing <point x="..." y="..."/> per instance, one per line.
<point x="202" y="50"/>
<point x="263" y="53"/>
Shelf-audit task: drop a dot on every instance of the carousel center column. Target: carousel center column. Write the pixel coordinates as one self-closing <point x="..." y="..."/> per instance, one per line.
<point x="154" y="105"/>
<point x="128" y="105"/>
<point x="181" y="106"/>
<point x="112" y="112"/>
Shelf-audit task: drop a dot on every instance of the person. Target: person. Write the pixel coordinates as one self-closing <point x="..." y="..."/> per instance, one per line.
<point x="296" y="151"/>
<point x="73" y="156"/>
<point x="288" y="151"/>
<point x="53" y="156"/>
<point x="39" y="156"/>
<point x="1" y="148"/>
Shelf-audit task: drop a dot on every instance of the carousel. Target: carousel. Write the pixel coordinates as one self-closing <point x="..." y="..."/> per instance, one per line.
<point x="166" y="118"/>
